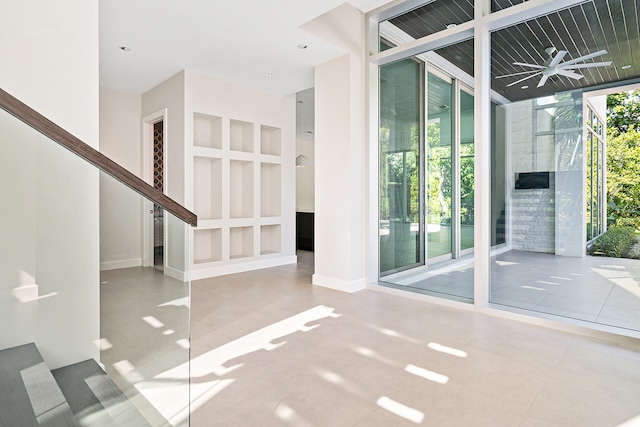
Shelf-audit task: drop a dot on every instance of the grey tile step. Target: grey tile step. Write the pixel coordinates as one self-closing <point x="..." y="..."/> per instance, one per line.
<point x="29" y="395"/>
<point x="94" y="398"/>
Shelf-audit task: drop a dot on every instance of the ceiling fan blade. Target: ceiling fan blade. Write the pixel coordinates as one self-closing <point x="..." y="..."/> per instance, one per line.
<point x="517" y="74"/>
<point x="542" y="81"/>
<point x="541" y="67"/>
<point x="584" y="58"/>
<point x="521" y="80"/>
<point x="557" y="59"/>
<point x="587" y="65"/>
<point x="569" y="73"/>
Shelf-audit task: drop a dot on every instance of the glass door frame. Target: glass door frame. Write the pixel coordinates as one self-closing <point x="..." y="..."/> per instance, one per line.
<point x="457" y="86"/>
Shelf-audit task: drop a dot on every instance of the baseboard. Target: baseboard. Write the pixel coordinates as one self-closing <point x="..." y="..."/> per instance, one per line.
<point x="182" y="276"/>
<point x="349" y="286"/>
<point x="241" y="267"/>
<point x="123" y="263"/>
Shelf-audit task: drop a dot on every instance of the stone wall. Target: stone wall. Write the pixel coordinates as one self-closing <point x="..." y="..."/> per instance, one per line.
<point x="533" y="219"/>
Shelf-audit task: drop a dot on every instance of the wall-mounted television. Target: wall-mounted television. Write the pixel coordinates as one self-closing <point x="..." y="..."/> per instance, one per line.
<point x="532" y="180"/>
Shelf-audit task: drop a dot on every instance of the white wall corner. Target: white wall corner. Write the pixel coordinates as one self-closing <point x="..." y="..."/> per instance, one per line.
<point x="349" y="286"/>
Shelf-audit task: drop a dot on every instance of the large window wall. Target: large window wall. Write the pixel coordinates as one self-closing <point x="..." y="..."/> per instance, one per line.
<point x="502" y="173"/>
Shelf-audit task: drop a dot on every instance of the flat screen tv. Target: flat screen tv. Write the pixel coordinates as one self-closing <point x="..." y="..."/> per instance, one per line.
<point x="532" y="180"/>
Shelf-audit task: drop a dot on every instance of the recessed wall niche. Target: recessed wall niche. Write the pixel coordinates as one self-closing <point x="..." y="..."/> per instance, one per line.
<point x="241" y="136"/>
<point x="270" y="189"/>
<point x="270" y="239"/>
<point x="270" y="140"/>
<point x="207" y="182"/>
<point x="241" y="242"/>
<point x="207" y="131"/>
<point x="207" y="245"/>
<point x="241" y="190"/>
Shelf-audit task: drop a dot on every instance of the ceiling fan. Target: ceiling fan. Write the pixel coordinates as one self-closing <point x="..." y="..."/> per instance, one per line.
<point x="554" y="66"/>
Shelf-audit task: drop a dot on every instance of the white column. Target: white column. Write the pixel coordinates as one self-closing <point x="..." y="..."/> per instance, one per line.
<point x="482" y="137"/>
<point x="340" y="160"/>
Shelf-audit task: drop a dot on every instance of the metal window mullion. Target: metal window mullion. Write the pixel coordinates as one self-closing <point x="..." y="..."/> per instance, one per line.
<point x="455" y="171"/>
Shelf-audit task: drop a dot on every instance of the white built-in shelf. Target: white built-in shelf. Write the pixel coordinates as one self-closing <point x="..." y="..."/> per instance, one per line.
<point x="270" y="189"/>
<point x="207" y="245"/>
<point x="241" y="136"/>
<point x="237" y="191"/>
<point x="241" y="190"/>
<point x="270" y="239"/>
<point x="240" y="242"/>
<point x="207" y="131"/>
<point x="270" y="140"/>
<point x="207" y="183"/>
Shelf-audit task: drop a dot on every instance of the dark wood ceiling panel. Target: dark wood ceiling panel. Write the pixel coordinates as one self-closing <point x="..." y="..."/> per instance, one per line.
<point x="434" y="17"/>
<point x="497" y="5"/>
<point x="611" y="25"/>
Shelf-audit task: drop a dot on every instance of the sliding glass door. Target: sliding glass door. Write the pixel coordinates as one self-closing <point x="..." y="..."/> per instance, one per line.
<point x="450" y="167"/>
<point x="426" y="167"/>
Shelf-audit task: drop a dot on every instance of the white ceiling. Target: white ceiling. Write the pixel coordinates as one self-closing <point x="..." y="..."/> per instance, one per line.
<point x="239" y="41"/>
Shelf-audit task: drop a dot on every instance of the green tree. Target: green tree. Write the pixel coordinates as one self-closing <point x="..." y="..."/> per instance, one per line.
<point x="623" y="111"/>
<point x="623" y="174"/>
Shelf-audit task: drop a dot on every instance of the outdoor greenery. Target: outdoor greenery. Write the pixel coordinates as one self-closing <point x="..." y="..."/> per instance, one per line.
<point x="615" y="242"/>
<point x="623" y="159"/>
<point x="622" y="239"/>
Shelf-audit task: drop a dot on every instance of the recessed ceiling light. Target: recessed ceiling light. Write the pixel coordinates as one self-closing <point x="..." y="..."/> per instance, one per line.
<point x="449" y="26"/>
<point x="302" y="46"/>
<point x="524" y="87"/>
<point x="270" y="75"/>
<point x="626" y="67"/>
<point x="125" y="48"/>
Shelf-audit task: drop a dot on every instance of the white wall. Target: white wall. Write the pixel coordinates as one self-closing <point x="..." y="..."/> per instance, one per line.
<point x="121" y="208"/>
<point x="50" y="61"/>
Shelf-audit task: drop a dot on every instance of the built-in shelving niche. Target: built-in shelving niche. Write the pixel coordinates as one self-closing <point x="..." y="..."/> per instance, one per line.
<point x="270" y="189"/>
<point x="207" y="245"/>
<point x="270" y="239"/>
<point x="241" y="136"/>
<point x="270" y="140"/>
<point x="244" y="208"/>
<point x="207" y="183"/>
<point x="241" y="242"/>
<point x="207" y="131"/>
<point x="241" y="194"/>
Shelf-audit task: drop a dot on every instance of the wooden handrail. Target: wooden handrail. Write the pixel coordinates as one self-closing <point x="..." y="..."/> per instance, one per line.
<point x="54" y="132"/>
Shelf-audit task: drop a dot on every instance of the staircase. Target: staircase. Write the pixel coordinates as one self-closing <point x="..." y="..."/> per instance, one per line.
<point x="76" y="395"/>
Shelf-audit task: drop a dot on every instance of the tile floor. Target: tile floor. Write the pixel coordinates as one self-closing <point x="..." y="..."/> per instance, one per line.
<point x="595" y="289"/>
<point x="270" y="349"/>
<point x="144" y="330"/>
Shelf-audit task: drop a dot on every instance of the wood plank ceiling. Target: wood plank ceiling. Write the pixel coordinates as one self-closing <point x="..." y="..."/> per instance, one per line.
<point x="611" y="25"/>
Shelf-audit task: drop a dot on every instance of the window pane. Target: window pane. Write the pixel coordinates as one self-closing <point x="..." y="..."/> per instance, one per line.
<point x="399" y="165"/>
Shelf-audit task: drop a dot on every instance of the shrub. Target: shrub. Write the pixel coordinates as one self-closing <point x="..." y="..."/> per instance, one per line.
<point x="634" y="250"/>
<point x="615" y="242"/>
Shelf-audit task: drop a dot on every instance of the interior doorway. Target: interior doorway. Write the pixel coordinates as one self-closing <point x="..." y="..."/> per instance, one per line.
<point x="158" y="183"/>
<point x="154" y="159"/>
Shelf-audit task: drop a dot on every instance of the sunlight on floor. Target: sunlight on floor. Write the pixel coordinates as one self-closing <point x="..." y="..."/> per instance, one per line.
<point x="449" y="350"/>
<point x="426" y="374"/>
<point x="400" y="410"/>
<point x="633" y="422"/>
<point x="290" y="416"/>
<point x="367" y="352"/>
